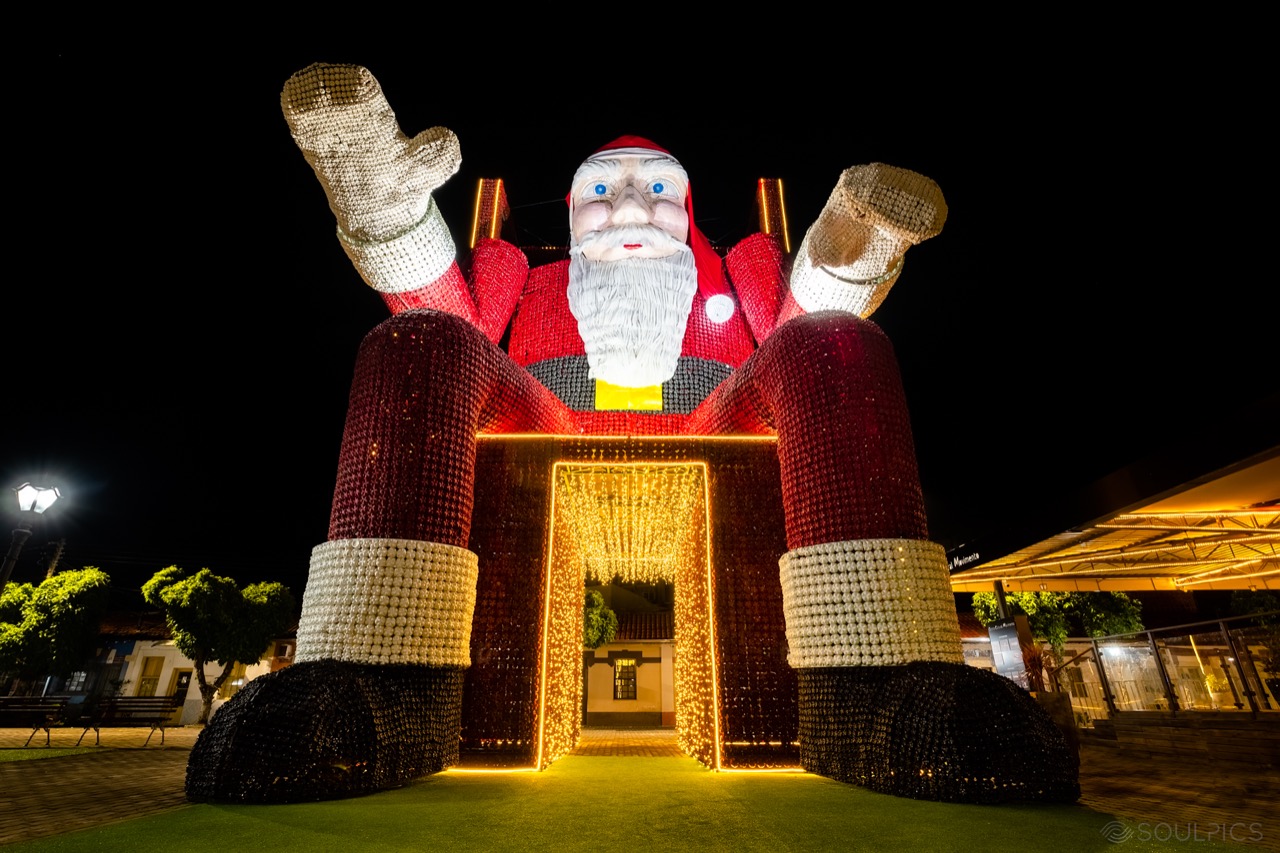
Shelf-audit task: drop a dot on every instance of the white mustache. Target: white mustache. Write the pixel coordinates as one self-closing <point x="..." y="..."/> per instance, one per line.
<point x="620" y="235"/>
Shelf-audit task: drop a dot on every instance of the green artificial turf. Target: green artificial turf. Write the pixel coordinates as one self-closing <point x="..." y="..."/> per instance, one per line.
<point x="31" y="753"/>
<point x="602" y="804"/>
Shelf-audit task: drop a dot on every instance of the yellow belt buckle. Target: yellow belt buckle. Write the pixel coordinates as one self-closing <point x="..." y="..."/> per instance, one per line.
<point x="610" y="397"/>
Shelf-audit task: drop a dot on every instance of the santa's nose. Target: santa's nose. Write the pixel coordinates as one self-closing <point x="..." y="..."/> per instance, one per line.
<point x="630" y="208"/>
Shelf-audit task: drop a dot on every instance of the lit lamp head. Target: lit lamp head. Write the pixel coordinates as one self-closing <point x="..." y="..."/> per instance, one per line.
<point x="36" y="499"/>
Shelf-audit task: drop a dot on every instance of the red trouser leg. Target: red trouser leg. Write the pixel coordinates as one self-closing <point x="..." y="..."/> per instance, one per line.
<point x="828" y="384"/>
<point x="425" y="384"/>
<point x="375" y="697"/>
<point x="884" y="699"/>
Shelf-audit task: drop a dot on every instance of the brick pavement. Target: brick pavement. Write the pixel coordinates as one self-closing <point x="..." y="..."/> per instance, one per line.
<point x="124" y="779"/>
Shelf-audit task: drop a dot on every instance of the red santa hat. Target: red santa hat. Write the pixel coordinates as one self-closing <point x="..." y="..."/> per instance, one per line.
<point x="711" y="283"/>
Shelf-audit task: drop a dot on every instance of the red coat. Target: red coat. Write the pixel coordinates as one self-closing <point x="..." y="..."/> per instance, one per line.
<point x="501" y="289"/>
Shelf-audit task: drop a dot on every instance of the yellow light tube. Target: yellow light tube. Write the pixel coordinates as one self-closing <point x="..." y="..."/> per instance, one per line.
<point x="497" y="213"/>
<point x="546" y="622"/>
<point x="1194" y="581"/>
<point x="475" y="214"/>
<point x="499" y="436"/>
<point x="786" y="229"/>
<point x="764" y="205"/>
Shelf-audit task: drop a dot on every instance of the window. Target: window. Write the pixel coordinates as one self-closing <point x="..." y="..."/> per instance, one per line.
<point x="75" y="684"/>
<point x="1075" y="681"/>
<point x="624" y="678"/>
<point x="149" y="681"/>
<point x="235" y="680"/>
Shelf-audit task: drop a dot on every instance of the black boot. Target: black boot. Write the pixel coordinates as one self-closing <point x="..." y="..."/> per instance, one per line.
<point x="328" y="729"/>
<point x="934" y="731"/>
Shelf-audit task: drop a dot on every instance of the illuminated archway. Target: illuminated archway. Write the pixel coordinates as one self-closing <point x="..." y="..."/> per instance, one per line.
<point x="703" y="513"/>
<point x="640" y="521"/>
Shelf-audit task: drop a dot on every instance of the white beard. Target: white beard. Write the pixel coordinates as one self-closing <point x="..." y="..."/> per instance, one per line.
<point x="632" y="313"/>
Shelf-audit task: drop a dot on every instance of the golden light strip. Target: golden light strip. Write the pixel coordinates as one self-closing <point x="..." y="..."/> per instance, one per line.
<point x="766" y="216"/>
<point x="711" y="622"/>
<point x="497" y="212"/>
<point x="1204" y="513"/>
<point x="764" y="206"/>
<point x="1234" y="533"/>
<point x="1220" y="569"/>
<point x="1026" y="571"/>
<point x="1105" y="554"/>
<point x="560" y="688"/>
<point x="546" y="630"/>
<point x="696" y="676"/>
<point x="475" y="213"/>
<point x="596" y="439"/>
<point x="786" y="229"/>
<point x="1266" y="573"/>
<point x="1200" y="663"/>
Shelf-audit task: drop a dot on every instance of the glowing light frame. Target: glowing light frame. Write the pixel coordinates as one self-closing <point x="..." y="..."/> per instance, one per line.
<point x="558" y="711"/>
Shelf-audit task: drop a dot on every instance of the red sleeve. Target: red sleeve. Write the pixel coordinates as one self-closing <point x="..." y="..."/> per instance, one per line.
<point x="498" y="274"/>
<point x="448" y="293"/>
<point x="758" y="270"/>
<point x="487" y="300"/>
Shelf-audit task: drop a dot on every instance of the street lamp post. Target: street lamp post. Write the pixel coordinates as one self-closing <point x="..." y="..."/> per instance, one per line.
<point x="32" y="501"/>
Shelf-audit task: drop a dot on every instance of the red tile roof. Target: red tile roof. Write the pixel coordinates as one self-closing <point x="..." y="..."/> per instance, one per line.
<point x="658" y="625"/>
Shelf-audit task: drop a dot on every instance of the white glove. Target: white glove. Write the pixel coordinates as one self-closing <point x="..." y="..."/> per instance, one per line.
<point x="378" y="181"/>
<point x="853" y="253"/>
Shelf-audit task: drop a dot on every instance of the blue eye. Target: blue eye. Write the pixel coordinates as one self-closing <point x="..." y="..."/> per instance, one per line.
<point x="667" y="190"/>
<point x="600" y="189"/>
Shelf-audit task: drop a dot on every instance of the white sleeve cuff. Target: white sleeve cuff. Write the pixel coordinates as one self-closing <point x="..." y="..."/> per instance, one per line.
<point x="408" y="261"/>
<point x="819" y="288"/>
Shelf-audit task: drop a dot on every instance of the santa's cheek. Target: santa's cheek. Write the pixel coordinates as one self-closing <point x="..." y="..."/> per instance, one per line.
<point x="672" y="219"/>
<point x="588" y="218"/>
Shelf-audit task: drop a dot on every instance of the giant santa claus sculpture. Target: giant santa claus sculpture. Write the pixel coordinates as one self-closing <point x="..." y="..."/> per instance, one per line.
<point x="644" y="330"/>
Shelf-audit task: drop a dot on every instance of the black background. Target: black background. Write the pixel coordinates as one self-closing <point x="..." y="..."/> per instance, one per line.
<point x="181" y="322"/>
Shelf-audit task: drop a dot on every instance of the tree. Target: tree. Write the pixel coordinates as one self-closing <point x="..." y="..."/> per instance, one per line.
<point x="212" y="620"/>
<point x="599" y="622"/>
<point x="1264" y="607"/>
<point x="1052" y="616"/>
<point x="51" y="629"/>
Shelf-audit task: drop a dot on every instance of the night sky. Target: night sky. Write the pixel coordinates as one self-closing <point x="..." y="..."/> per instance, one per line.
<point x="175" y="256"/>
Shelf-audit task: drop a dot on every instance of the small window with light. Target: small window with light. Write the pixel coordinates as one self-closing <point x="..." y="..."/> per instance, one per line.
<point x="624" y="678"/>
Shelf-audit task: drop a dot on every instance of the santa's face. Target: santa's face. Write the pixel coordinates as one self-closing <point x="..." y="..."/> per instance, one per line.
<point x="632" y="276"/>
<point x="620" y="189"/>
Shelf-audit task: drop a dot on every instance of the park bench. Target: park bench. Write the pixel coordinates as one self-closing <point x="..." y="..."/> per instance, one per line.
<point x="38" y="712"/>
<point x="112" y="711"/>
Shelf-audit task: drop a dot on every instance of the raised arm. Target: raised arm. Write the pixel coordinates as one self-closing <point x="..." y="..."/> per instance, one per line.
<point x="379" y="184"/>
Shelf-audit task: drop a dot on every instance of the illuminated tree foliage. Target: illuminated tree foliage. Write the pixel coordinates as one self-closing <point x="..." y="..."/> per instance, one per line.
<point x="1264" y="607"/>
<point x="600" y="623"/>
<point x="51" y="629"/>
<point x="213" y="620"/>
<point x="1053" y="616"/>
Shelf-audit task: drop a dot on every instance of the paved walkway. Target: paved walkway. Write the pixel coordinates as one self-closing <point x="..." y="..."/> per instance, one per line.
<point x="126" y="779"/>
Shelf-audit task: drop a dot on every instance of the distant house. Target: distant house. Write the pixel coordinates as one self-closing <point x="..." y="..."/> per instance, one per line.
<point x="631" y="681"/>
<point x="136" y="657"/>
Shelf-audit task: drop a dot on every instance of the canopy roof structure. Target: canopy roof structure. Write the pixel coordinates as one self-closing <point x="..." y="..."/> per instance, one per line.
<point x="1182" y="519"/>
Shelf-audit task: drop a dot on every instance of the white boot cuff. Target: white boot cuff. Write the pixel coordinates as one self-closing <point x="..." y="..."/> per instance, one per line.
<point x="389" y="601"/>
<point x="869" y="602"/>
